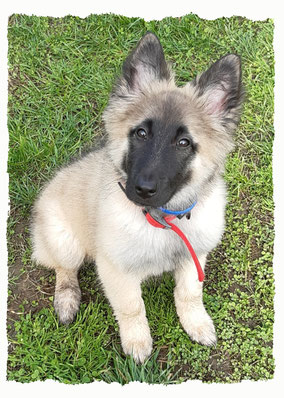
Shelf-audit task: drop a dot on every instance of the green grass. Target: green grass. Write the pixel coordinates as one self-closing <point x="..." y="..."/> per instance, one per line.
<point x="61" y="72"/>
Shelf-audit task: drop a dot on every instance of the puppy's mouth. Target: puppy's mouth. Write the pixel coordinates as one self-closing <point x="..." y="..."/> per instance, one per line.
<point x="140" y="202"/>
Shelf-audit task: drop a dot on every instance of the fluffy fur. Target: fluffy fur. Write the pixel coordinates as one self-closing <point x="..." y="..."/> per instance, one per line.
<point x="83" y="212"/>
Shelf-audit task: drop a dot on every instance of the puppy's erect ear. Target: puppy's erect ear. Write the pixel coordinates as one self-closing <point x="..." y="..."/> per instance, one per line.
<point x="220" y="90"/>
<point x="144" y="64"/>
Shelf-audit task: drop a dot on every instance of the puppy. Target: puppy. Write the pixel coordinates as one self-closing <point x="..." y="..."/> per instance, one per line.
<point x="165" y="150"/>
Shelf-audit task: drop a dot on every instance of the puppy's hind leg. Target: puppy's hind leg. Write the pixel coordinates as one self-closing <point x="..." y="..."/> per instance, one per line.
<point x="67" y="294"/>
<point x="55" y="246"/>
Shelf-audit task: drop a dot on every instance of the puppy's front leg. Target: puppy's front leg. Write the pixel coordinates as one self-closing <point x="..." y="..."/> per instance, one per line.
<point x="124" y="293"/>
<point x="189" y="305"/>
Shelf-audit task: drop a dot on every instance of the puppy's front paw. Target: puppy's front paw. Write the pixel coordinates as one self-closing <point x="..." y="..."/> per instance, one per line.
<point x="66" y="304"/>
<point x="136" y="340"/>
<point x="199" y="326"/>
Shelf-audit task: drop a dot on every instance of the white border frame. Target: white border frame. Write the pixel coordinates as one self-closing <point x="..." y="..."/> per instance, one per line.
<point x="256" y="10"/>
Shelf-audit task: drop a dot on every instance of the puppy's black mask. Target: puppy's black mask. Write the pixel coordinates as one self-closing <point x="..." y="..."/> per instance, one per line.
<point x="158" y="159"/>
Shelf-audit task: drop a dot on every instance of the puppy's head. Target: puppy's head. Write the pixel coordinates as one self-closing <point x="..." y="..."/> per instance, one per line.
<point x="169" y="142"/>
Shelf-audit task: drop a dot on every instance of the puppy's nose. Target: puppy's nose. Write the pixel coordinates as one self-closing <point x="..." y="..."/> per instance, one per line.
<point x="145" y="188"/>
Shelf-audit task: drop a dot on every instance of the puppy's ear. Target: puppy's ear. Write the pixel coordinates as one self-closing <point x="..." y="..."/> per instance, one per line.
<point x="144" y="64"/>
<point x="220" y="90"/>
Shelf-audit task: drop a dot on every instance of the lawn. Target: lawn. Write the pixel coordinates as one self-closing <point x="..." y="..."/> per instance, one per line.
<point x="61" y="71"/>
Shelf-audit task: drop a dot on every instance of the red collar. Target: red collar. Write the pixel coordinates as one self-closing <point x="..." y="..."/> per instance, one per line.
<point x="174" y="228"/>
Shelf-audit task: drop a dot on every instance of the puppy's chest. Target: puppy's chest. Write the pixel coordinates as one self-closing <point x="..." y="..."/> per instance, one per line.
<point x="140" y="246"/>
<point x="152" y="249"/>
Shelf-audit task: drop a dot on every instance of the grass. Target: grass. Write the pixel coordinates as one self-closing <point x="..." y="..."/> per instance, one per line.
<point x="61" y="71"/>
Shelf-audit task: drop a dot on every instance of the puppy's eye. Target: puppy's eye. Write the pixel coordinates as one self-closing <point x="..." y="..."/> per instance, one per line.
<point x="183" y="143"/>
<point x="141" y="133"/>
